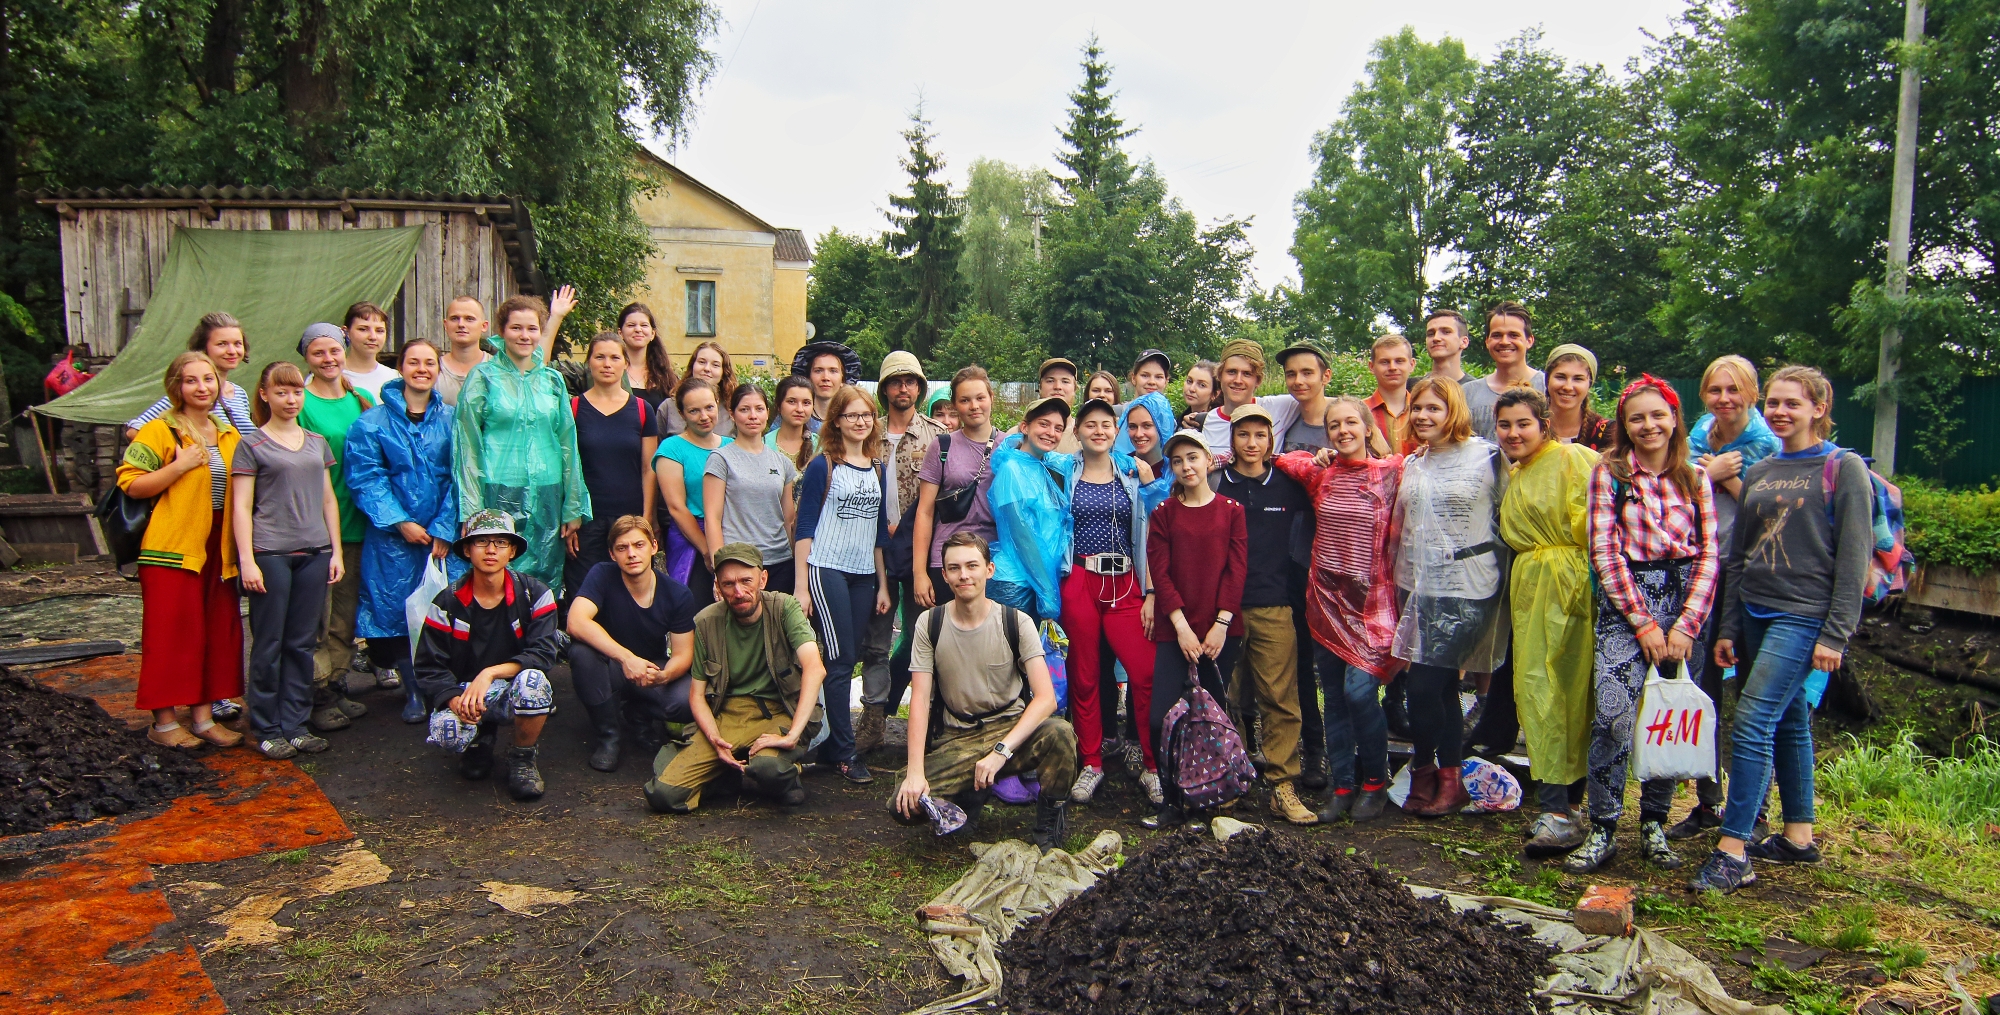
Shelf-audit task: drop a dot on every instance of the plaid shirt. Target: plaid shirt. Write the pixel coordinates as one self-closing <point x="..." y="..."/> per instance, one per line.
<point x="1657" y="522"/>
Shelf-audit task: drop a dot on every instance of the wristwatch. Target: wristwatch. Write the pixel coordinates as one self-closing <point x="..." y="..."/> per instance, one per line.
<point x="1003" y="750"/>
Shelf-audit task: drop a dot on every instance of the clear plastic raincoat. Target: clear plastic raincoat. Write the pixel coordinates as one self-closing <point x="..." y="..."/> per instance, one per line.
<point x="1031" y="520"/>
<point x="1545" y="518"/>
<point x="516" y="451"/>
<point x="1451" y="563"/>
<point x="399" y="472"/>
<point x="1350" y="595"/>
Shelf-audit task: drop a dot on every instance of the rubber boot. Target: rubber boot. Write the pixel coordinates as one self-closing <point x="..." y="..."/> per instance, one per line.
<point x="1423" y="786"/>
<point x="1371" y="804"/>
<point x="477" y="761"/>
<point x="414" y="708"/>
<point x="604" y="723"/>
<point x="524" y="779"/>
<point x="1450" y="796"/>
<point x="1051" y="823"/>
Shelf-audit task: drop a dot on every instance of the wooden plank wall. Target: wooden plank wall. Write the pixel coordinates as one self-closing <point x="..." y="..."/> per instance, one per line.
<point x="107" y="251"/>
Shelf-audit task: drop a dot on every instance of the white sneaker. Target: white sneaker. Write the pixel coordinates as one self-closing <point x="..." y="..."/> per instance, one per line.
<point x="1086" y="784"/>
<point x="1151" y="782"/>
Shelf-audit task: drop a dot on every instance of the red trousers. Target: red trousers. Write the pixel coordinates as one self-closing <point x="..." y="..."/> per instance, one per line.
<point x="193" y="632"/>
<point x="1105" y="607"/>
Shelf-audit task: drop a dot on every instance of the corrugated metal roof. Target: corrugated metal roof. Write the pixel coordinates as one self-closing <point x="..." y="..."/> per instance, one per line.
<point x="792" y="246"/>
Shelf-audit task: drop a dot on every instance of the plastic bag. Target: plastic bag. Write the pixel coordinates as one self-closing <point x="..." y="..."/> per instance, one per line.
<point x="1493" y="788"/>
<point x="1055" y="654"/>
<point x="1675" y="732"/>
<point x="435" y="580"/>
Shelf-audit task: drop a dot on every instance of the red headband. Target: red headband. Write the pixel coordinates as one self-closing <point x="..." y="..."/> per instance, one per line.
<point x="1665" y="390"/>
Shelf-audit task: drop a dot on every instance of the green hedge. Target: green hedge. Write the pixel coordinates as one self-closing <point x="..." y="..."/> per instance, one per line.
<point x="1954" y="527"/>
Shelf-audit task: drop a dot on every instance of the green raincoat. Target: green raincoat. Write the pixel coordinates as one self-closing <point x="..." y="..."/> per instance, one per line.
<point x="515" y="450"/>
<point x="1545" y="517"/>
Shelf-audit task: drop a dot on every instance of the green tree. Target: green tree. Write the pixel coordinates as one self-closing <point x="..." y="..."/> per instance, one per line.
<point x="1007" y="353"/>
<point x="1095" y="135"/>
<point x="927" y="241"/>
<point x="1000" y="204"/>
<point x="851" y="286"/>
<point x="1380" y="211"/>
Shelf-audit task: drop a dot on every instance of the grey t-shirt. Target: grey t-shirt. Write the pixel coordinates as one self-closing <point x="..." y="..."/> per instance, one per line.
<point x="1788" y="556"/>
<point x="974" y="669"/>
<point x="290" y="502"/>
<point x="1480" y="397"/>
<point x="753" y="505"/>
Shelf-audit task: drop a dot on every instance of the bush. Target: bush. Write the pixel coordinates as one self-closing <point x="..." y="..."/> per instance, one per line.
<point x="1960" y="528"/>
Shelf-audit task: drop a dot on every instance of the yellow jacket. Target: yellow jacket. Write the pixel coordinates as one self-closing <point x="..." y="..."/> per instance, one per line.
<point x="177" y="536"/>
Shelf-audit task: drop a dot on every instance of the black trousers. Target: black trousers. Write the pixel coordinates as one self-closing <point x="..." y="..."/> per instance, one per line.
<point x="1170" y="679"/>
<point x="1500" y="725"/>
<point x="1436" y="720"/>
<point x="599" y="680"/>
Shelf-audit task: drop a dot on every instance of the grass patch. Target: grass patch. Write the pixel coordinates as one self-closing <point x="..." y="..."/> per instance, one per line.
<point x="1848" y="928"/>
<point x="291" y="857"/>
<point x="367" y="941"/>
<point x="1899" y="957"/>
<point x="308" y="949"/>
<point x="1806" y="994"/>
<point x="1926" y="815"/>
<point x="1501" y="880"/>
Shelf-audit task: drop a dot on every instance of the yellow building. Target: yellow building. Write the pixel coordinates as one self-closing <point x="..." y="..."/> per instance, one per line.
<point x="720" y="273"/>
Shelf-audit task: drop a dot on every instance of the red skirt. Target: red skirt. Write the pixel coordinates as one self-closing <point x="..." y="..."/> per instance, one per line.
<point x="192" y="651"/>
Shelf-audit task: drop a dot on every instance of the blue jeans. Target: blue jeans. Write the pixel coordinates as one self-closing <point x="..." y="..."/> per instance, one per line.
<point x="1773" y="729"/>
<point x="1354" y="722"/>
<point x="843" y="604"/>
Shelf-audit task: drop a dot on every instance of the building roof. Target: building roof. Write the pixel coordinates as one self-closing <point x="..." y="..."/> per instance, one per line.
<point x="507" y="213"/>
<point x="792" y="246"/>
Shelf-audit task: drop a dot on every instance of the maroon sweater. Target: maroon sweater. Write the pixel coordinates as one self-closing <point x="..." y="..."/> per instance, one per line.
<point x="1197" y="557"/>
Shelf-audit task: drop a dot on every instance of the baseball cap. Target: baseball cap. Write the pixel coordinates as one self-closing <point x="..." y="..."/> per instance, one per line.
<point x="1042" y="406"/>
<point x="1057" y="361"/>
<point x="741" y="553"/>
<point x="1154" y="354"/>
<point x="1293" y="350"/>
<point x="1246" y="413"/>
<point x="1097" y="405"/>
<point x="1186" y="436"/>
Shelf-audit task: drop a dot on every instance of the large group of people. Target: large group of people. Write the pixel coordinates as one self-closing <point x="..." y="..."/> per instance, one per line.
<point x="714" y="560"/>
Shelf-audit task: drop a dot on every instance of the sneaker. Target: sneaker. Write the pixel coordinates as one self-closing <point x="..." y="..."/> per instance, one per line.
<point x="1723" y="873"/>
<point x="1654" y="847"/>
<point x="1285" y="804"/>
<point x="868" y="732"/>
<point x="477" y="761"/>
<point x="218" y="734"/>
<point x="1150" y="782"/>
<point x="1553" y="835"/>
<point x="306" y="743"/>
<point x="328" y="717"/>
<point x="857" y="773"/>
<point x="1134" y="757"/>
<point x="277" y="748"/>
<point x="1779" y="849"/>
<point x="388" y="679"/>
<point x="174" y="736"/>
<point x="1086" y="784"/>
<point x="226" y="710"/>
<point x="1597" y="850"/>
<point x="1699" y="820"/>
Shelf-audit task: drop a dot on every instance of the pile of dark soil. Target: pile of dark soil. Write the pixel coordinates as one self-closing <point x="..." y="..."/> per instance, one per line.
<point x="1265" y="923"/>
<point x="66" y="759"/>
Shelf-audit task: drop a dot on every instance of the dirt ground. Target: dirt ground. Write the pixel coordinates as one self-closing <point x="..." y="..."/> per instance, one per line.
<point x="742" y="908"/>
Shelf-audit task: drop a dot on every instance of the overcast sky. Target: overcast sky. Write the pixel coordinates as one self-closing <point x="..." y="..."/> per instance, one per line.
<point x="800" y="123"/>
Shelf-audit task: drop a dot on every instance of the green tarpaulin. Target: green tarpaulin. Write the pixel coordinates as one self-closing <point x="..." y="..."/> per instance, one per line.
<point x="276" y="282"/>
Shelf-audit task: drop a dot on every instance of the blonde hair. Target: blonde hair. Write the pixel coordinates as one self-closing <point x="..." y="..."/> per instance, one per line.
<point x="835" y="447"/>
<point x="1745" y="371"/>
<point x="1819" y="391"/>
<point x="172" y="380"/>
<point x="1457" y="418"/>
<point x="282" y="372"/>
<point x="1386" y="341"/>
<point x="1360" y="406"/>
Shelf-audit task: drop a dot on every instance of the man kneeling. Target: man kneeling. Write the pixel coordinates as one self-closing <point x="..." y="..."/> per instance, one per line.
<point x="757" y="674"/>
<point x="484" y="657"/>
<point x="998" y="704"/>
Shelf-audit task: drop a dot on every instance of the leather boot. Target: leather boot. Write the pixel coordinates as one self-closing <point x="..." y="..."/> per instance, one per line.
<point x="1449" y="797"/>
<point x="868" y="732"/>
<point x="1423" y="786"/>
<point x="604" y="723"/>
<point x="477" y="761"/>
<point x="1051" y="823"/>
<point x="524" y="779"/>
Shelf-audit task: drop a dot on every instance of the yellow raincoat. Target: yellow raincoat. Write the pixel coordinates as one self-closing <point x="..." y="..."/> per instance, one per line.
<point x="1545" y="517"/>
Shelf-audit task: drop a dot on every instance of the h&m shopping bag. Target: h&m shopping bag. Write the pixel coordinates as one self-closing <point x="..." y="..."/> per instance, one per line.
<point x="1674" y="737"/>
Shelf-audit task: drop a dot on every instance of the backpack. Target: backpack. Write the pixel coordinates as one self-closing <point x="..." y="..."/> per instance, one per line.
<point x="934" y="624"/>
<point x="1891" y="565"/>
<point x="577" y="400"/>
<point x="1203" y="763"/>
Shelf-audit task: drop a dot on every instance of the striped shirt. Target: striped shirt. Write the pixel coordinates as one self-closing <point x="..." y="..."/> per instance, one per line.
<point x="232" y="408"/>
<point x="218" y="478"/>
<point x="1655" y="522"/>
<point x="841" y="511"/>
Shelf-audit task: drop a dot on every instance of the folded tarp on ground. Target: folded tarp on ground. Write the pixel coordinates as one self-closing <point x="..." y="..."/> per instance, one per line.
<point x="275" y="281"/>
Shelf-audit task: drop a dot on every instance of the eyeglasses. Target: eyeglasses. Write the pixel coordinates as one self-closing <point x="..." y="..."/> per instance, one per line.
<point x="856" y="417"/>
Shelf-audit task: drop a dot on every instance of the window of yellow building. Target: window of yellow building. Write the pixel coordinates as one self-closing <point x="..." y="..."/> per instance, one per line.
<point x="701" y="309"/>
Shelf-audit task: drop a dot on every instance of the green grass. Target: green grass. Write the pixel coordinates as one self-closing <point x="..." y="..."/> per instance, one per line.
<point x="1717" y="918"/>
<point x="1500" y="880"/>
<point x="367" y="941"/>
<point x="1899" y="957"/>
<point x="1806" y="994"/>
<point x="1849" y="928"/>
<point x="1934" y="811"/>
<point x="291" y="857"/>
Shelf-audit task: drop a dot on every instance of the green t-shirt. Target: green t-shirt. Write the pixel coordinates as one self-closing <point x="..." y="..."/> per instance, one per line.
<point x="330" y="418"/>
<point x="748" y="676"/>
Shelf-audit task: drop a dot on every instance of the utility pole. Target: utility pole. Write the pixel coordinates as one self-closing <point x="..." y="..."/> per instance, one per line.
<point x="1902" y="194"/>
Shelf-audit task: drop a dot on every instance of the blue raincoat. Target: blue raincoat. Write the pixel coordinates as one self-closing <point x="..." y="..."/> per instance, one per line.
<point x="1757" y="442"/>
<point x="1031" y="522"/>
<point x="1155" y="493"/>
<point x="399" y="471"/>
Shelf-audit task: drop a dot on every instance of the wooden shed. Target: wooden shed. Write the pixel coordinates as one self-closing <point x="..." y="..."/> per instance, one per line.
<point x="114" y="246"/>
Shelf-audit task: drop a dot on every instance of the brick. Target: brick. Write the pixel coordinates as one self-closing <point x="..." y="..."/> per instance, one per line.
<point x="1604" y="911"/>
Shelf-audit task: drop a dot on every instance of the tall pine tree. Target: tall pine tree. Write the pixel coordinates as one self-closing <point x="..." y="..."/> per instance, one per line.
<point x="928" y="241"/>
<point x="1096" y="155"/>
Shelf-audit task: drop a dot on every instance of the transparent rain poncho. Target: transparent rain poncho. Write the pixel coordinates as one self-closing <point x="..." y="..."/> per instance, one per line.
<point x="1031" y="521"/>
<point x="516" y="451"/>
<point x="1545" y="519"/>
<point x="1350" y="595"/>
<point x="1450" y="561"/>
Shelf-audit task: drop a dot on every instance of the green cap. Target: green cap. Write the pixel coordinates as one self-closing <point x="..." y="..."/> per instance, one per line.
<point x="741" y="553"/>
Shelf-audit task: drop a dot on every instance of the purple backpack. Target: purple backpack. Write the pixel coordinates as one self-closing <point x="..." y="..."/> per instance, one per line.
<point x="1204" y="763"/>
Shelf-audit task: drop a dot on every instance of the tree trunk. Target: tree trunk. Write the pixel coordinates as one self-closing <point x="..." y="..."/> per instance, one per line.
<point x="10" y="163"/>
<point x="221" y="48"/>
<point x="312" y="85"/>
